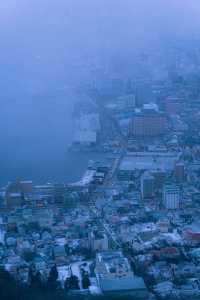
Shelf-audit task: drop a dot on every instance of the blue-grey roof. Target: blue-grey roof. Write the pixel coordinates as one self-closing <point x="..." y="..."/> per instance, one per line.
<point x="122" y="284"/>
<point x="148" y="161"/>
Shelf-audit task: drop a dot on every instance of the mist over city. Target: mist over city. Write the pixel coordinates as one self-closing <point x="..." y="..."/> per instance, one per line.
<point x="99" y="149"/>
<point x="48" y="48"/>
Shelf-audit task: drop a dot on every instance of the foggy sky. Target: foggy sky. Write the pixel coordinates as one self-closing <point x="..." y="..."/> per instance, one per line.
<point x="43" y="37"/>
<point x="42" y="45"/>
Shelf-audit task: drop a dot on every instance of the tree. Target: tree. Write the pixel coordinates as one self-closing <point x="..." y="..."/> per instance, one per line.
<point x="31" y="275"/>
<point x="28" y="255"/>
<point x="67" y="284"/>
<point x="35" y="279"/>
<point x="53" y="276"/>
<point x="8" y="287"/>
<point x="86" y="281"/>
<point x="72" y="283"/>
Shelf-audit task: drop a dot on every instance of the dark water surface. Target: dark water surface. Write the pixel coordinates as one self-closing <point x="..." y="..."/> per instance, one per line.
<point x="35" y="132"/>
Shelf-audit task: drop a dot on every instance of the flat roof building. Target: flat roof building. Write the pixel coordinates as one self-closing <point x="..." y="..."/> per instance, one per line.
<point x="149" y="161"/>
<point x="115" y="277"/>
<point x="147" y="123"/>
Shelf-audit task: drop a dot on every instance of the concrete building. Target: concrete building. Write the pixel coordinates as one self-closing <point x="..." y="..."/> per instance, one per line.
<point x="173" y="105"/>
<point x="115" y="277"/>
<point x="144" y="93"/>
<point x="147" y="123"/>
<point x="86" y="129"/>
<point x="99" y="241"/>
<point x="128" y="101"/>
<point x="26" y="186"/>
<point x="171" y="196"/>
<point x="86" y="137"/>
<point x="147" y="161"/>
<point x="147" y="186"/>
<point x="14" y="194"/>
<point x="59" y="193"/>
<point x="159" y="178"/>
<point x="179" y="172"/>
<point x="14" y="199"/>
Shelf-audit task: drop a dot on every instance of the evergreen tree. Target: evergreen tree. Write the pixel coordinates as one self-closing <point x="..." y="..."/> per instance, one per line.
<point x="8" y="287"/>
<point x="35" y="279"/>
<point x="53" y="276"/>
<point x="72" y="283"/>
<point x="86" y="281"/>
<point x="67" y="284"/>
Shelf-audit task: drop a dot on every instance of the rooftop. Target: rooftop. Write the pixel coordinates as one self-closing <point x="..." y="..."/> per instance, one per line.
<point x="123" y="284"/>
<point x="148" y="161"/>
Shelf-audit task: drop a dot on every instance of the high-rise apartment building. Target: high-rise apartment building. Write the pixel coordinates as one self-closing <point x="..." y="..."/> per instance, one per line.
<point x="147" y="186"/>
<point x="148" y="124"/>
<point x="171" y="196"/>
<point x="179" y="172"/>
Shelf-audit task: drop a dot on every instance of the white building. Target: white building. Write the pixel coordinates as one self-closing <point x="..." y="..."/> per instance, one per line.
<point x="127" y="101"/>
<point x="171" y="196"/>
<point x="85" y="137"/>
<point x="151" y="106"/>
<point x="86" y="129"/>
<point x="99" y="241"/>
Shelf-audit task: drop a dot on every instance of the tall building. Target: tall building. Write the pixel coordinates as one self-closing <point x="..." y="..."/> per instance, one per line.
<point x="127" y="101"/>
<point x="14" y="199"/>
<point x="59" y="193"/>
<point x="179" y="172"/>
<point x="173" y="105"/>
<point x="26" y="186"/>
<point x="86" y="129"/>
<point x="171" y="196"/>
<point x="144" y="93"/>
<point x="147" y="123"/>
<point x="14" y="194"/>
<point x="147" y="186"/>
<point x="99" y="241"/>
<point x="159" y="176"/>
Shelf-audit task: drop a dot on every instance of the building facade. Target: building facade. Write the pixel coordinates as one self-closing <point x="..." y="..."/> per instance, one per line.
<point x="147" y="124"/>
<point x="171" y="197"/>
<point x="147" y="186"/>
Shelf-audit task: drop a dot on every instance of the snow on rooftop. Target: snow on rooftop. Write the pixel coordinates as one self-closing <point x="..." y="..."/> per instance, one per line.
<point x="87" y="178"/>
<point x="151" y="106"/>
<point x="94" y="290"/>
